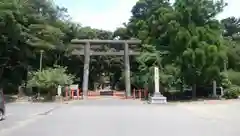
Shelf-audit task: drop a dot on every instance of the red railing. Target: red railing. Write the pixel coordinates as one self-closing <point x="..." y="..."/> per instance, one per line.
<point x="77" y="94"/>
<point x="139" y="94"/>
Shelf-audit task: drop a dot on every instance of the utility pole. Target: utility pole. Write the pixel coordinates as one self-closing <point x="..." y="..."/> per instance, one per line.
<point x="40" y="61"/>
<point x="40" y="68"/>
<point x="225" y="66"/>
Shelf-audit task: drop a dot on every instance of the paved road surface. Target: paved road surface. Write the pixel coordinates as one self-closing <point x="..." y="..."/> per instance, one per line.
<point x="127" y="118"/>
<point x="17" y="113"/>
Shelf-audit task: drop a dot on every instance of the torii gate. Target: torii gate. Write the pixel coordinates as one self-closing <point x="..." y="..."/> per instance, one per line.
<point x="87" y="52"/>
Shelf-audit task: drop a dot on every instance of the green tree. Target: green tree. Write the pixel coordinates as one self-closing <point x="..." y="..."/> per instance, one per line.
<point x="49" y="79"/>
<point x="231" y="27"/>
<point x="231" y="34"/>
<point x="186" y="34"/>
<point x="26" y="28"/>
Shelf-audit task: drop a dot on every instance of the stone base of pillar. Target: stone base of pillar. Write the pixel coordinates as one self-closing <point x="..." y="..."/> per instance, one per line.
<point x="84" y="97"/>
<point x="157" y="98"/>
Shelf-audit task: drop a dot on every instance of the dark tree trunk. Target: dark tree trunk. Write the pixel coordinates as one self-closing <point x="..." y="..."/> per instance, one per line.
<point x="194" y="87"/>
<point x="51" y="94"/>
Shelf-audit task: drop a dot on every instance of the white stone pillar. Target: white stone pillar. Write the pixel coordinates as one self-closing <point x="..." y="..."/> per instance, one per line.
<point x="157" y="97"/>
<point x="59" y="90"/>
<point x="156" y="80"/>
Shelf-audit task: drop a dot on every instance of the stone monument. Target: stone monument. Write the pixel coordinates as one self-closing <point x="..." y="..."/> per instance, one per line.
<point x="59" y="90"/>
<point x="157" y="97"/>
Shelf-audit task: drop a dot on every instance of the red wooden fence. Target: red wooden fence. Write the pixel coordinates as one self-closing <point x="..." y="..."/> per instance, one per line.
<point x="136" y="94"/>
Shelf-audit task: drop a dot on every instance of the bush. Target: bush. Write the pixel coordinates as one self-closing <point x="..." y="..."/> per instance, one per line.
<point x="232" y="92"/>
<point x="48" y="79"/>
<point x="225" y="82"/>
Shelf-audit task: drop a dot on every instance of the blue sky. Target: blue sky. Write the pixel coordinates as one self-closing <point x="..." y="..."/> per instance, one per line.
<point x="110" y="14"/>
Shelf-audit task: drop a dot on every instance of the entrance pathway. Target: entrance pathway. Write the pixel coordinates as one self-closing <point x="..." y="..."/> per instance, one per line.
<point x="114" y="117"/>
<point x="108" y="101"/>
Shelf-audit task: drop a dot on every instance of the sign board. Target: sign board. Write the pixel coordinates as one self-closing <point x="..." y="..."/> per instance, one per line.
<point x="59" y="90"/>
<point x="73" y="87"/>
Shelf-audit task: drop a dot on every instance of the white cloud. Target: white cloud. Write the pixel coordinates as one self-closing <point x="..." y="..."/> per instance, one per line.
<point x="115" y="16"/>
<point x="108" y="20"/>
<point x="232" y="9"/>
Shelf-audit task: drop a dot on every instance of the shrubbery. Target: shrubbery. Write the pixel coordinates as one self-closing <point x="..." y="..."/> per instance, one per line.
<point x="232" y="93"/>
<point x="48" y="79"/>
<point x="233" y="90"/>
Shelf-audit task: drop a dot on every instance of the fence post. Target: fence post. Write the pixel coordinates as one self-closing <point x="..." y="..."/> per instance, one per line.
<point x="78" y="91"/>
<point x="72" y="93"/>
<point x="140" y="94"/>
<point x="66" y="92"/>
<point x="113" y="93"/>
<point x="146" y="94"/>
<point x="134" y="93"/>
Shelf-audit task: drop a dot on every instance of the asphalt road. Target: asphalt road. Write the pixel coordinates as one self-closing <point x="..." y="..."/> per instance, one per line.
<point x="112" y="117"/>
<point x="16" y="113"/>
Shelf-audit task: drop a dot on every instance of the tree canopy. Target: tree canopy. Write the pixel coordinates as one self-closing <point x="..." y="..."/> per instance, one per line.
<point x="184" y="39"/>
